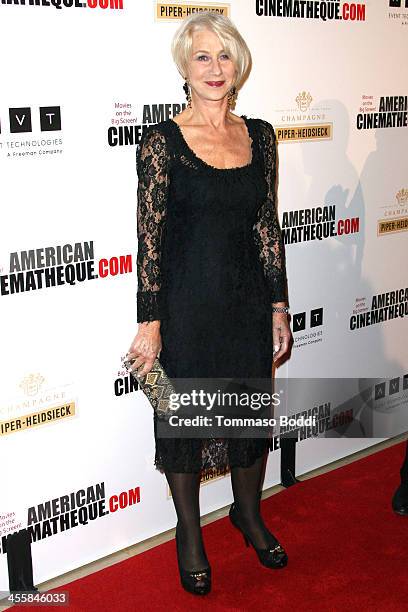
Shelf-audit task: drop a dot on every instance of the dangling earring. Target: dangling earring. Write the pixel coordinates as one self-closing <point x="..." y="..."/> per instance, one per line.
<point x="231" y="96"/>
<point x="188" y="93"/>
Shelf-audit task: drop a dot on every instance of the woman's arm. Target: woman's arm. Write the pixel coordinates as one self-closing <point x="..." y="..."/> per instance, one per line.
<point x="267" y="231"/>
<point x="153" y="181"/>
<point x="152" y="163"/>
<point x="268" y="238"/>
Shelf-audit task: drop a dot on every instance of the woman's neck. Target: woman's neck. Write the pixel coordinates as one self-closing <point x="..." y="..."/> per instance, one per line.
<point x="214" y="113"/>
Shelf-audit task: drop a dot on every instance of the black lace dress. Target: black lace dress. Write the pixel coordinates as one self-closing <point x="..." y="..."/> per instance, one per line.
<point x="210" y="263"/>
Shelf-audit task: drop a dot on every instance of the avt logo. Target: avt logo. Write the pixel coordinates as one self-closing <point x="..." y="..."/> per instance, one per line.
<point x="20" y="119"/>
<point x="315" y="319"/>
<point x="394" y="386"/>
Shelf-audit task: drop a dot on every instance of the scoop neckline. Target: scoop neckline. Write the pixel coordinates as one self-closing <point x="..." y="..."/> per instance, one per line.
<point x="206" y="164"/>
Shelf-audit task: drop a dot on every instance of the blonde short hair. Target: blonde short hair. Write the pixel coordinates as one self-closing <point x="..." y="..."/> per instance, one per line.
<point x="226" y="31"/>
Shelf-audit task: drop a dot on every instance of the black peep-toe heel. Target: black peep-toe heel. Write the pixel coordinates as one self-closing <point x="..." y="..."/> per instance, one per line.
<point x="196" y="582"/>
<point x="273" y="557"/>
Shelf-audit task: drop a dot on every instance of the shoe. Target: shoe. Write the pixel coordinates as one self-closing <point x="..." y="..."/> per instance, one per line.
<point x="196" y="582"/>
<point x="400" y="500"/>
<point x="274" y="557"/>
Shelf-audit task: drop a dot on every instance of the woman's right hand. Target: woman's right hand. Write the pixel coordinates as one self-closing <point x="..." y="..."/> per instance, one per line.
<point x="145" y="347"/>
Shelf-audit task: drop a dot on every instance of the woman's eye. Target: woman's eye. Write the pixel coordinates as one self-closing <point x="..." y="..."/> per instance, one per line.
<point x="204" y="58"/>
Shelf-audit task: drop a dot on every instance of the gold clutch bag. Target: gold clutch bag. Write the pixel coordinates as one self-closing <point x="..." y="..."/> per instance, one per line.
<point x="156" y="386"/>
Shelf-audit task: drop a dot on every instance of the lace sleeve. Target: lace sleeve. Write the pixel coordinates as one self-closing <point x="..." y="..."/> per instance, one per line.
<point x="153" y="182"/>
<point x="267" y="232"/>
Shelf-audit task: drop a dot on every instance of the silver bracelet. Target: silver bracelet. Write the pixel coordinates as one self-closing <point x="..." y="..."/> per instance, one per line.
<point x="280" y="309"/>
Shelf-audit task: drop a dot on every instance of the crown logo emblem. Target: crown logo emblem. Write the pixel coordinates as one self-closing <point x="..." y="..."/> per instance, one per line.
<point x="303" y="100"/>
<point x="31" y="384"/>
<point x="402" y="196"/>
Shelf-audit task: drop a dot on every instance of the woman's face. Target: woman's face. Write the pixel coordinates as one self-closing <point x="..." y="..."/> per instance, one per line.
<point x="211" y="72"/>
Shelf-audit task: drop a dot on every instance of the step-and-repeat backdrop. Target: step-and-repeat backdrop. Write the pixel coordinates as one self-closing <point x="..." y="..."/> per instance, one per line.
<point x="79" y="80"/>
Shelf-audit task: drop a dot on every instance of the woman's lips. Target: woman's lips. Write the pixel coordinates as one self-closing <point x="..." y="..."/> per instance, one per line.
<point x="215" y="83"/>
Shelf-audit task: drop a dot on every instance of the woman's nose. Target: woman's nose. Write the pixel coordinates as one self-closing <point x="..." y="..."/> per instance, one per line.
<point x="216" y="67"/>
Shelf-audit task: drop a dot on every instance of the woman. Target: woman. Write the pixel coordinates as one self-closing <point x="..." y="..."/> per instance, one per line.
<point x="211" y="274"/>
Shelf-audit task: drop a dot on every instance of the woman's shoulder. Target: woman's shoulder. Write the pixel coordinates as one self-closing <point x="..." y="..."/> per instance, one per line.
<point x="153" y="129"/>
<point x="156" y="135"/>
<point x="264" y="127"/>
<point x="153" y="147"/>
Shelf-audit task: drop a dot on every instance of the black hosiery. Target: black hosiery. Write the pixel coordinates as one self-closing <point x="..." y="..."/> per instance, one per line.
<point x="185" y="489"/>
<point x="246" y="490"/>
<point x="404" y="469"/>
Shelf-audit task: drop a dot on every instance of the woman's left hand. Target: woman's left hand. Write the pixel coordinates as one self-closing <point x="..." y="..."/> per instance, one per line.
<point x="281" y="334"/>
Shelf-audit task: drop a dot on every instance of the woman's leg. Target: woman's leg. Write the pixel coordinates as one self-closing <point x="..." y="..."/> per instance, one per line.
<point x="185" y="489"/>
<point x="246" y="483"/>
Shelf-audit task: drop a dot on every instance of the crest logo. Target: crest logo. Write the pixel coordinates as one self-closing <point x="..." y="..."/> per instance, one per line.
<point x="31" y="384"/>
<point x="402" y="196"/>
<point x="303" y="100"/>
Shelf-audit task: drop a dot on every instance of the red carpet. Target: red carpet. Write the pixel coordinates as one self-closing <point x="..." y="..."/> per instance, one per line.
<point x="347" y="550"/>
